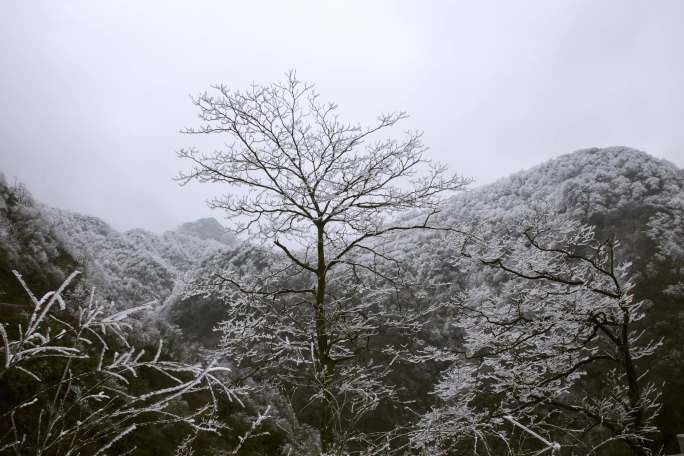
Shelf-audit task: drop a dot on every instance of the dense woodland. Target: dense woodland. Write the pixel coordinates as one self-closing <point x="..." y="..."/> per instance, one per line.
<point x="541" y="314"/>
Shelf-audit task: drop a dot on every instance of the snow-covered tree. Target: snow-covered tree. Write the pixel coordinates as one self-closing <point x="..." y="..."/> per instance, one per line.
<point x="559" y="314"/>
<point x="323" y="193"/>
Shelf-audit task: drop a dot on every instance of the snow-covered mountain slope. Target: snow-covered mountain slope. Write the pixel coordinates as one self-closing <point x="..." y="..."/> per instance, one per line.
<point x="627" y="195"/>
<point x="137" y="265"/>
<point x="583" y="183"/>
<point x="29" y="245"/>
<point x="625" y="192"/>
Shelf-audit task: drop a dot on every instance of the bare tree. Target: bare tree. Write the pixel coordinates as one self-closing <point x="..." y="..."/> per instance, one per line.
<point x="565" y="307"/>
<point x="324" y="195"/>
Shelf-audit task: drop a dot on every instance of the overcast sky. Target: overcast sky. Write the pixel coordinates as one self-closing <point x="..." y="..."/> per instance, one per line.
<point x="92" y="94"/>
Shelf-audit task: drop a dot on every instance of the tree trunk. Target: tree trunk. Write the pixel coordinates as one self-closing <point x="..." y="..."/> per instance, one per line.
<point x="639" y="445"/>
<point x="326" y="365"/>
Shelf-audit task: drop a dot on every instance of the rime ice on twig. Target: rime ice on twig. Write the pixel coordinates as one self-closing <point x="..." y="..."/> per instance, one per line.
<point x="90" y="407"/>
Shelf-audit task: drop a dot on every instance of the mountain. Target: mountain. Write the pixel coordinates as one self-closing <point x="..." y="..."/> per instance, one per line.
<point x="29" y="245"/>
<point x="137" y="266"/>
<point x="208" y="228"/>
<point x="621" y="190"/>
<point x="627" y="195"/>
<point x="130" y="268"/>
<point x="46" y="244"/>
<point x="624" y="193"/>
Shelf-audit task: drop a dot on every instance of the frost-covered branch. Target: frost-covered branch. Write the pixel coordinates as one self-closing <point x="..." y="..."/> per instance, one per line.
<point x="83" y="392"/>
<point x="563" y="308"/>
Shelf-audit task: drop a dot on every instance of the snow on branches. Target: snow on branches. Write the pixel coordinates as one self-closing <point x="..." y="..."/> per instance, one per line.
<point x="326" y="194"/>
<point x="559" y="305"/>
<point x="86" y="388"/>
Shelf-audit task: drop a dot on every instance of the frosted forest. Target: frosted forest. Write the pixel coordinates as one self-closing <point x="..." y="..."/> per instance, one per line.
<point x="324" y="228"/>
<point x="365" y="302"/>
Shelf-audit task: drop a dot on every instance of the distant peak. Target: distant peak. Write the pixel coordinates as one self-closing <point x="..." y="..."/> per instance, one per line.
<point x="615" y="160"/>
<point x="617" y="154"/>
<point x="208" y="228"/>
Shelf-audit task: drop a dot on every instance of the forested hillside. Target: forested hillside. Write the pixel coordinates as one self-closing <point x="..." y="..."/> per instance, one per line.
<point x="29" y="244"/>
<point x="625" y="194"/>
<point x="136" y="270"/>
<point x="137" y="265"/>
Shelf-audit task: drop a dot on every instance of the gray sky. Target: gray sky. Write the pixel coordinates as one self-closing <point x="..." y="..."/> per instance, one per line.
<point x="92" y="94"/>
